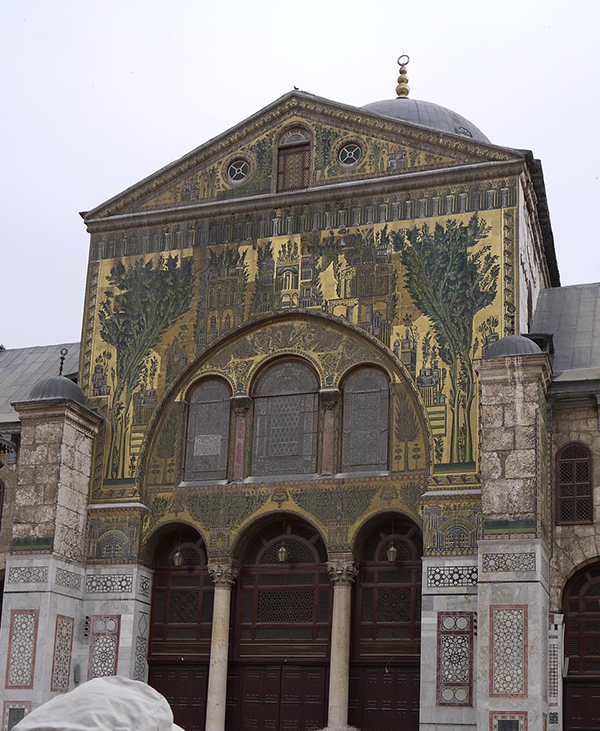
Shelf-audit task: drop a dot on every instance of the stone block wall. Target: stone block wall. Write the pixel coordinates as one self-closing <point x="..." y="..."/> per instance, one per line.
<point x="575" y="545"/>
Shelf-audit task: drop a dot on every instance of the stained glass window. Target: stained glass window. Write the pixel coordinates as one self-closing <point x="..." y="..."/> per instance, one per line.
<point x="208" y="431"/>
<point x="365" y="421"/>
<point x="285" y="421"/>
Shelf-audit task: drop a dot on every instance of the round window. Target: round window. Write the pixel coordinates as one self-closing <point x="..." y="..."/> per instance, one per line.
<point x="238" y="170"/>
<point x="349" y="154"/>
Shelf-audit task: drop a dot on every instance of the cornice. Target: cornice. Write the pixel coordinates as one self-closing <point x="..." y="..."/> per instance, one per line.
<point x="290" y="103"/>
<point x="322" y="194"/>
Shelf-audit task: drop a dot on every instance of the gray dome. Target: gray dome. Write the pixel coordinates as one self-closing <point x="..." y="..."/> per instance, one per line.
<point x="57" y="387"/>
<point x="427" y="114"/>
<point x="512" y="345"/>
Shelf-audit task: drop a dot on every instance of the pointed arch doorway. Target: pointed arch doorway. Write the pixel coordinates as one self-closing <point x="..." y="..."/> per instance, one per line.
<point x="581" y="689"/>
<point x="180" y="626"/>
<point x="386" y="631"/>
<point x="279" y="664"/>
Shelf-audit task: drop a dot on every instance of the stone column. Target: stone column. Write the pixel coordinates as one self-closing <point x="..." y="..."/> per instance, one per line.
<point x="223" y="577"/>
<point x="241" y="406"/>
<point x="329" y="398"/>
<point x="342" y="574"/>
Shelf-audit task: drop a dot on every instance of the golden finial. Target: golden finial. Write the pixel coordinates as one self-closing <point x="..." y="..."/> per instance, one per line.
<point x="403" y="88"/>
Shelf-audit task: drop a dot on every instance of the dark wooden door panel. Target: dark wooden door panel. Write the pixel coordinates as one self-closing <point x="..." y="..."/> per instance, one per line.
<point x="185" y="688"/>
<point x="384" y="701"/>
<point x="582" y="705"/>
<point x="276" y="698"/>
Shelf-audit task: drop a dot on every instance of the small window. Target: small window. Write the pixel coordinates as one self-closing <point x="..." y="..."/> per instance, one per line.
<point x="349" y="154"/>
<point x="238" y="170"/>
<point x="293" y="161"/>
<point x="208" y="432"/>
<point x="574" y="503"/>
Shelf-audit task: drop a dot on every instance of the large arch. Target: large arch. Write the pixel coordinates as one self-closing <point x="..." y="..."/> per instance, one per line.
<point x="330" y="345"/>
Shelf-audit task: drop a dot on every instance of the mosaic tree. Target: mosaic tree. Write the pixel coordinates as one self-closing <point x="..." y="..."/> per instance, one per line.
<point x="451" y="277"/>
<point x="151" y="296"/>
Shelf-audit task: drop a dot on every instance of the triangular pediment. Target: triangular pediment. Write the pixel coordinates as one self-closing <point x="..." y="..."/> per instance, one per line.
<point x="386" y="147"/>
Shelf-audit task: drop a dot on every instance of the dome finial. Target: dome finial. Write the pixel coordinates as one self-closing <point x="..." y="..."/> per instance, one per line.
<point x="403" y="88"/>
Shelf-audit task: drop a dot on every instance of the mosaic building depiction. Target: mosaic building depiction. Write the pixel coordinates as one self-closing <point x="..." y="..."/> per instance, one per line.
<point x="331" y="451"/>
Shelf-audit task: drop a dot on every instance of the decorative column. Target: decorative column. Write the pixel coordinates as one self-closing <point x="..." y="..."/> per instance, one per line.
<point x="329" y="398"/>
<point x="241" y="407"/>
<point x="223" y="576"/>
<point x="342" y="574"/>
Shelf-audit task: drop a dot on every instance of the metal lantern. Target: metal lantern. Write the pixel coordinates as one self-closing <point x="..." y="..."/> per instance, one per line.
<point x="391" y="553"/>
<point x="282" y="554"/>
<point x="178" y="558"/>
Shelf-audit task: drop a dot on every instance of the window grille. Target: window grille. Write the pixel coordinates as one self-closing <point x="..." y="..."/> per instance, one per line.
<point x="574" y="500"/>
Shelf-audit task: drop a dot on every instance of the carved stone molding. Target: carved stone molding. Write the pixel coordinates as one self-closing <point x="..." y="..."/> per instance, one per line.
<point x="341" y="572"/>
<point x="222" y="575"/>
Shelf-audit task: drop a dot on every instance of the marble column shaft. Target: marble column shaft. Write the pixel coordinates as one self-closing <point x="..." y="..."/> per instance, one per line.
<point x="216" y="697"/>
<point x="342" y="575"/>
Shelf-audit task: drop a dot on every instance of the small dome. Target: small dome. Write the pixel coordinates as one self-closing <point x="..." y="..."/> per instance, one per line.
<point x="57" y="387"/>
<point x="512" y="345"/>
<point x="427" y="114"/>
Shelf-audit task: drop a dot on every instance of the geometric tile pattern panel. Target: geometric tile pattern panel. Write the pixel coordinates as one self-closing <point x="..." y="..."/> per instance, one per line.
<point x="145" y="582"/>
<point x="109" y="583"/>
<point x="508" y="562"/>
<point x="14" y="711"/>
<point x="452" y="576"/>
<point x="508" y="651"/>
<point x="553" y="718"/>
<point x="455" y="659"/>
<point x="67" y="578"/>
<point x="553" y="671"/>
<point x="61" y="663"/>
<point x="508" y="721"/>
<point x="104" y="645"/>
<point x="28" y="575"/>
<point x="141" y="648"/>
<point x="21" y="648"/>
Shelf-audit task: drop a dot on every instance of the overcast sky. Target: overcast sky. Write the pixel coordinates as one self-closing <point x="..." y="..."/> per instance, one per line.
<point x="98" y="94"/>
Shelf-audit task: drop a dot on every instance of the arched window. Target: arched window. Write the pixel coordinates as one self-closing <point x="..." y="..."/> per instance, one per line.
<point x="208" y="432"/>
<point x="285" y="421"/>
<point x="293" y="161"/>
<point x="365" y="421"/>
<point x="581" y="607"/>
<point x="574" y="503"/>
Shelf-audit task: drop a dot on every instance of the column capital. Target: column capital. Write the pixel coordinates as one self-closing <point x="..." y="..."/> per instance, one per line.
<point x="342" y="573"/>
<point x="241" y="404"/>
<point x="222" y="574"/>
<point x="330" y="397"/>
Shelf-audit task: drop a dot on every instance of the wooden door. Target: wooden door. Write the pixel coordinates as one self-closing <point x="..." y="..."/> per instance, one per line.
<point x="278" y="697"/>
<point x="180" y="626"/>
<point x="384" y="699"/>
<point x="185" y="688"/>
<point x="582" y="705"/>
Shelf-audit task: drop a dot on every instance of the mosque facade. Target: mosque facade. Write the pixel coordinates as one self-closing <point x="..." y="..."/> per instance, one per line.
<point x="333" y="453"/>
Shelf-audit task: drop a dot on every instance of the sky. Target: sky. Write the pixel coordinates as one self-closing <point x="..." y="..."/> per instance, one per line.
<point x="98" y="94"/>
